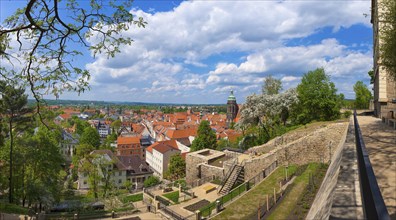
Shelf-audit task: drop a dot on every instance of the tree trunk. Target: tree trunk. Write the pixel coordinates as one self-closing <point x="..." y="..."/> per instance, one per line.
<point x="10" y="180"/>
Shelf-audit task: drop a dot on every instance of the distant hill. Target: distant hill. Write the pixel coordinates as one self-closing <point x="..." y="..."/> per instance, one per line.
<point x="104" y="103"/>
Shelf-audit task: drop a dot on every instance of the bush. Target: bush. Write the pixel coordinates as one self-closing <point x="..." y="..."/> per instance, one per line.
<point x="347" y="114"/>
<point x="151" y="181"/>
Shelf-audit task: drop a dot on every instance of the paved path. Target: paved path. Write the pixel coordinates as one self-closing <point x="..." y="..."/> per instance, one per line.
<point x="380" y="140"/>
<point x="346" y="201"/>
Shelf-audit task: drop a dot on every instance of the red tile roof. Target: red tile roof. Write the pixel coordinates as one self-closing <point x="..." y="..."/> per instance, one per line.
<point x="128" y="140"/>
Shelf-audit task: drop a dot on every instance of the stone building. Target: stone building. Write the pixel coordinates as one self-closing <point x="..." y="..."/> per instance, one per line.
<point x="384" y="85"/>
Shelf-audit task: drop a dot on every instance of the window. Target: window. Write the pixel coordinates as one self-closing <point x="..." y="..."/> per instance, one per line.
<point x="85" y="182"/>
<point x="120" y="173"/>
<point x="120" y="181"/>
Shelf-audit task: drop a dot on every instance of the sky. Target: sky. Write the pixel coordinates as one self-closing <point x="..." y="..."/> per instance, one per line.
<point x="195" y="52"/>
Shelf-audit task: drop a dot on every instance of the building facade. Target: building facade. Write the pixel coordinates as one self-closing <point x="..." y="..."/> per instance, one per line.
<point x="130" y="145"/>
<point x="384" y="84"/>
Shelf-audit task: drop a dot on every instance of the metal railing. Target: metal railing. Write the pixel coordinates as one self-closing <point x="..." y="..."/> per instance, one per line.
<point x="373" y="203"/>
<point x="227" y="175"/>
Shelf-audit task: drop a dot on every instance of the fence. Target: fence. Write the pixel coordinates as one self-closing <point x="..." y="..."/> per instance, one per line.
<point x="207" y="210"/>
<point x="260" y="176"/>
<point x="373" y="203"/>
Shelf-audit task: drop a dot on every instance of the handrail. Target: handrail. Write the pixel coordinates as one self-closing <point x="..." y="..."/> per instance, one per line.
<point x="373" y="202"/>
<point x="227" y="176"/>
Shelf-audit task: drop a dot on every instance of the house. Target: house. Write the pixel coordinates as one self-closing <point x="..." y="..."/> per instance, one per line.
<point x="118" y="170"/>
<point x="68" y="145"/>
<point x="130" y="145"/>
<point x="103" y="129"/>
<point x="158" y="156"/>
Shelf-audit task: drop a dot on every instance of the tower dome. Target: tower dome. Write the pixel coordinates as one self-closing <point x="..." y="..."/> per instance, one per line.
<point x="231" y="97"/>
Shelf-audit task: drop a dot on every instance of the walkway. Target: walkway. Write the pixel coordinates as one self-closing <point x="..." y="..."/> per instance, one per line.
<point x="380" y="140"/>
<point x="346" y="201"/>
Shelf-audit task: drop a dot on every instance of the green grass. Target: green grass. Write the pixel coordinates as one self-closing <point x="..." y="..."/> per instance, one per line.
<point x="132" y="198"/>
<point x="12" y="209"/>
<point x="173" y="196"/>
<point x="248" y="203"/>
<point x="297" y="192"/>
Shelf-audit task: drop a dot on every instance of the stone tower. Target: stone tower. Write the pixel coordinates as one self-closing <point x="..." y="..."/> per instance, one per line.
<point x="232" y="109"/>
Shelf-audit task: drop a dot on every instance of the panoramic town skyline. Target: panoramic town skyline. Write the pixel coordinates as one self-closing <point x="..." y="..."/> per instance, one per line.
<point x="195" y="52"/>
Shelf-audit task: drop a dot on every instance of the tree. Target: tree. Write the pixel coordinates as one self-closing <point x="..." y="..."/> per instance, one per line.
<point x="177" y="167"/>
<point x="362" y="95"/>
<point x="206" y="137"/>
<point x="372" y="76"/>
<point x="13" y="105"/>
<point x="46" y="33"/>
<point x="116" y="125"/>
<point x="317" y="98"/>
<point x="91" y="137"/>
<point x="99" y="175"/>
<point x="151" y="181"/>
<point x="271" y="86"/>
<point x="387" y="31"/>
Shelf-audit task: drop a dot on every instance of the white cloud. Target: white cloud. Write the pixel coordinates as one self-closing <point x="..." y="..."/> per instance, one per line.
<point x="165" y="55"/>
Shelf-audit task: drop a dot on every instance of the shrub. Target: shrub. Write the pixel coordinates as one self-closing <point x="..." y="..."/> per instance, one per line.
<point x="347" y="114"/>
<point x="151" y="181"/>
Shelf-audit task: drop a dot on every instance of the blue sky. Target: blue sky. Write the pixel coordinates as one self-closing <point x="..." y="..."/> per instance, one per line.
<point x="197" y="51"/>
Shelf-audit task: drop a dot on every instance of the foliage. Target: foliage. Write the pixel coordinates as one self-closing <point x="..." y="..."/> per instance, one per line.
<point x="38" y="167"/>
<point x="91" y="137"/>
<point x="96" y="166"/>
<point x="372" y="76"/>
<point x="12" y="209"/>
<point x="271" y="86"/>
<point x="13" y="106"/>
<point x="46" y="38"/>
<point x="387" y="31"/>
<point x="347" y="114"/>
<point x="151" y="181"/>
<point x="262" y="114"/>
<point x="317" y="98"/>
<point x="362" y="95"/>
<point x="80" y="125"/>
<point x="173" y="196"/>
<point x="176" y="168"/>
<point x="206" y="137"/>
<point x="116" y="125"/>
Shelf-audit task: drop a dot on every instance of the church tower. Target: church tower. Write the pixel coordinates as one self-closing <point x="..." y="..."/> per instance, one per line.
<point x="232" y="109"/>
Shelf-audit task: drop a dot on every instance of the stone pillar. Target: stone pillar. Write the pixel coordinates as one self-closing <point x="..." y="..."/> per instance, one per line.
<point x="218" y="206"/>
<point x="198" y="215"/>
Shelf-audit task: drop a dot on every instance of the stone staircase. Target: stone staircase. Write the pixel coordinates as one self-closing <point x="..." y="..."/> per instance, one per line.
<point x="236" y="176"/>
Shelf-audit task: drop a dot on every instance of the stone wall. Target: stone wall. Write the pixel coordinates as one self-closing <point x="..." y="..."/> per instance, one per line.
<point x="316" y="146"/>
<point x="192" y="168"/>
<point x="257" y="165"/>
<point x="208" y="171"/>
<point x="323" y="199"/>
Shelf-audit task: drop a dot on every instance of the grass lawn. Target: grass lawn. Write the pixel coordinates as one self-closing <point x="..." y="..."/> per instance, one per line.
<point x="291" y="200"/>
<point x="132" y="198"/>
<point x="174" y="196"/>
<point x="248" y="203"/>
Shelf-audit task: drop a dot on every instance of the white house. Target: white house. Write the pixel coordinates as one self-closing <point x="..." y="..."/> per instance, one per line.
<point x="158" y="156"/>
<point x="68" y="145"/>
